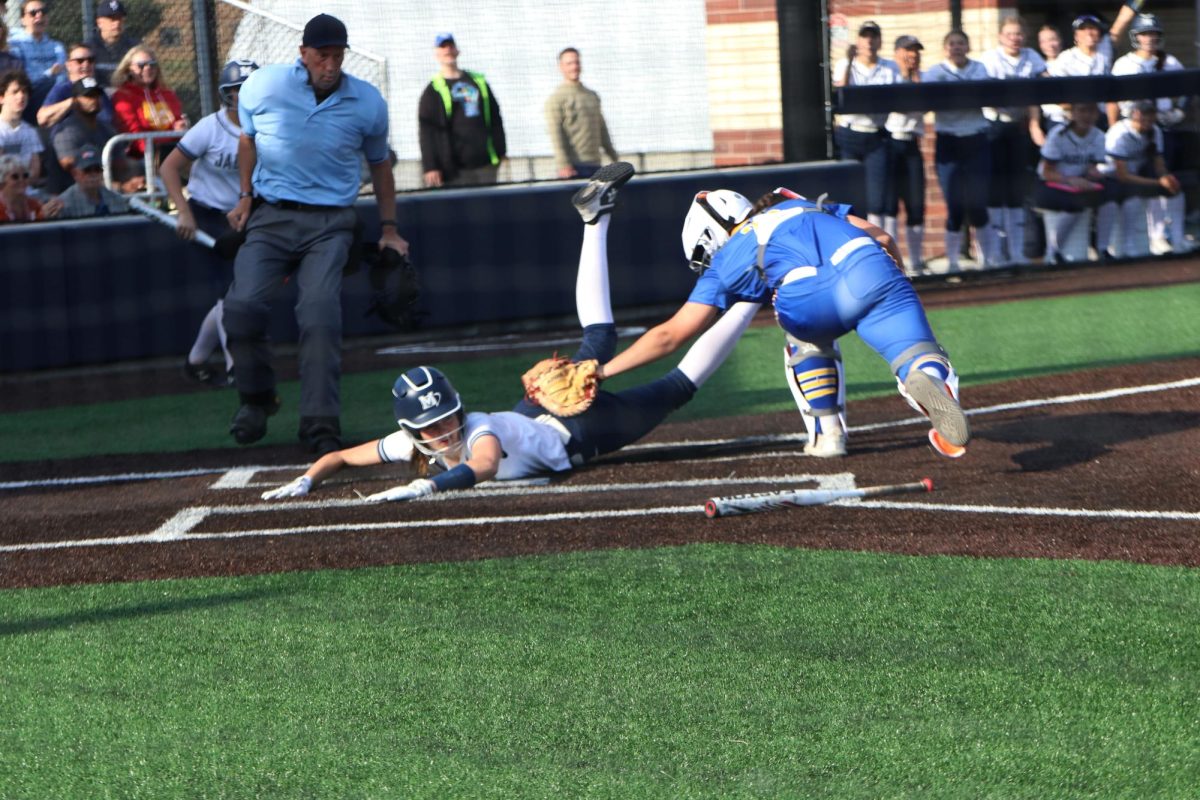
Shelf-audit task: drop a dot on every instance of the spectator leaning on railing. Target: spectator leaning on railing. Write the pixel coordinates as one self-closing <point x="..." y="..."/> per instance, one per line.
<point x="89" y="197"/>
<point x="143" y="102"/>
<point x="81" y="63"/>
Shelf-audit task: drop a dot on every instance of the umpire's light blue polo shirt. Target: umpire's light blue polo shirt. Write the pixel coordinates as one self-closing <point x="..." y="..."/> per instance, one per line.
<point x="309" y="153"/>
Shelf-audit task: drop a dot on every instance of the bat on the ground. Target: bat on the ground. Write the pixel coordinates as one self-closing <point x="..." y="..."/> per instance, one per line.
<point x="145" y="209"/>
<point x="795" y="498"/>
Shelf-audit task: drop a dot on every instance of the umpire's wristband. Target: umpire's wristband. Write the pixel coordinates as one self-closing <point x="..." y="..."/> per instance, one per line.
<point x="460" y="477"/>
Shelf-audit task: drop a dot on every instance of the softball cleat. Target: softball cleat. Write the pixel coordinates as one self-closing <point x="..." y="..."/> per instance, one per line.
<point x="599" y="195"/>
<point x="944" y="412"/>
<point x="944" y="448"/>
<point x="826" y="446"/>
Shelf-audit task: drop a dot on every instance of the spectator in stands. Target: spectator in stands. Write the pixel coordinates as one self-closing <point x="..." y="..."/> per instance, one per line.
<point x="16" y="205"/>
<point x="110" y="43"/>
<point x="8" y="59"/>
<point x="906" y="129"/>
<point x="18" y="137"/>
<point x="1134" y="147"/>
<point x="210" y="151"/>
<point x="89" y="197"/>
<point x="1085" y="58"/>
<point x="84" y="128"/>
<point x="460" y="128"/>
<point x="962" y="156"/>
<point x="81" y="63"/>
<point x="862" y="137"/>
<point x="1049" y="43"/>
<point x="143" y="102"/>
<point x="576" y="124"/>
<point x="1012" y="136"/>
<point x="45" y="59"/>
<point x="1072" y="184"/>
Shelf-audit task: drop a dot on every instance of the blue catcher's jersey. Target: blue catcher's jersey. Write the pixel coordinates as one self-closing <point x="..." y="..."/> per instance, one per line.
<point x="805" y="237"/>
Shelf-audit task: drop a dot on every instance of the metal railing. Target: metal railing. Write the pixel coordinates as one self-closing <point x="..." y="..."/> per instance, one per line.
<point x="153" y="189"/>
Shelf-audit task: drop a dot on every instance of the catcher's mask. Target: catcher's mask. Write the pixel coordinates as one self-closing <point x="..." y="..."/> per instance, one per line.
<point x="233" y="75"/>
<point x="424" y="397"/>
<point x="709" y="223"/>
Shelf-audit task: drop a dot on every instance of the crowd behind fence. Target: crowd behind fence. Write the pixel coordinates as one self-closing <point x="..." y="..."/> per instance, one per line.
<point x="657" y="129"/>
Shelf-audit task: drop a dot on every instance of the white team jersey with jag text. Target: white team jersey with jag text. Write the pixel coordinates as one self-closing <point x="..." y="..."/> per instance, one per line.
<point x="527" y="447"/>
<point x="212" y="145"/>
<point x="1071" y="153"/>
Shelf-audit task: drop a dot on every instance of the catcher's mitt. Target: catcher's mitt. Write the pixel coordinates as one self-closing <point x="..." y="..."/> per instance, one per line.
<point x="396" y="286"/>
<point x="562" y="386"/>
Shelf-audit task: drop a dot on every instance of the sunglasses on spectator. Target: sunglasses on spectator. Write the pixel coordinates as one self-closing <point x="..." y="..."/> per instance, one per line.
<point x="19" y="176"/>
<point x="35" y="12"/>
<point x="83" y="60"/>
<point x="144" y="64"/>
<point x="93" y="169"/>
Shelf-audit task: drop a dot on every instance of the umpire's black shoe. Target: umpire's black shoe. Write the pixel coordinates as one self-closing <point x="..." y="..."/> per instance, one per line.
<point x="320" y="435"/>
<point x="599" y="195"/>
<point x="249" y="424"/>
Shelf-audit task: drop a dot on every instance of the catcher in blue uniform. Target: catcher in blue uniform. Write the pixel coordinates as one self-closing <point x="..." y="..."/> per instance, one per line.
<point x="829" y="273"/>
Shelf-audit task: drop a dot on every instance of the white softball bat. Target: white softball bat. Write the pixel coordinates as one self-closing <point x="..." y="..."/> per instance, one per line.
<point x="737" y="505"/>
<point x="142" y="207"/>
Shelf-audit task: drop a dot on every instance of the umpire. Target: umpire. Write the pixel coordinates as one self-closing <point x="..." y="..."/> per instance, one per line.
<point x="304" y="126"/>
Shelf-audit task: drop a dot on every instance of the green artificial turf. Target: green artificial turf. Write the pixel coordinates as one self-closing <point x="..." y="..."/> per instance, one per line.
<point x="987" y="343"/>
<point x="702" y="671"/>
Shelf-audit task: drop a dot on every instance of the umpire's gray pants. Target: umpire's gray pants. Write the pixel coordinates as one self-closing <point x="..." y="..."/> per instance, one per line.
<point x="314" y="244"/>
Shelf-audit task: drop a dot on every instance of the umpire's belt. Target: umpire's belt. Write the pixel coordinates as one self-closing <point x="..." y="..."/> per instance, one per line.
<point x="292" y="205"/>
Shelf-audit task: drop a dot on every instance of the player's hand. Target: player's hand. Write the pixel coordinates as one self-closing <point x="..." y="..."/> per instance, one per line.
<point x="297" y="488"/>
<point x="1170" y="183"/>
<point x="185" y="225"/>
<point x="421" y="487"/>
<point x="433" y="178"/>
<point x="567" y="172"/>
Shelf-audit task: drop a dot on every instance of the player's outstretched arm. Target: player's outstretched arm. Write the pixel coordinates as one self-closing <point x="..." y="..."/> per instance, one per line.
<point x="363" y="455"/>
<point x="663" y="339"/>
<point x="482" y="466"/>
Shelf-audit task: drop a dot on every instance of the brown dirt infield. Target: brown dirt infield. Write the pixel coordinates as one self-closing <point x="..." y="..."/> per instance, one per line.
<point x="1101" y="478"/>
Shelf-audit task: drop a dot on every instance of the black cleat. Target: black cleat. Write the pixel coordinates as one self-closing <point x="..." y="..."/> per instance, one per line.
<point x="249" y="424"/>
<point x="599" y="194"/>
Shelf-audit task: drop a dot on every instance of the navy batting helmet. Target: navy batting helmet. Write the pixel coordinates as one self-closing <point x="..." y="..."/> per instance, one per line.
<point x="1143" y="23"/>
<point x="234" y="74"/>
<point x="424" y="396"/>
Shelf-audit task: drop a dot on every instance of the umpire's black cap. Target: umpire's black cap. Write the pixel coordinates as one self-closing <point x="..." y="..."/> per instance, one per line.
<point x="324" y="30"/>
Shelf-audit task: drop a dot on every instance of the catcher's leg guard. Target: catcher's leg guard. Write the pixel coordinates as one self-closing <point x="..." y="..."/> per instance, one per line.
<point x="815" y="377"/>
<point x="927" y="381"/>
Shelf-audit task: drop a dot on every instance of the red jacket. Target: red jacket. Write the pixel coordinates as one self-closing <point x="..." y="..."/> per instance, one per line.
<point x="139" y="109"/>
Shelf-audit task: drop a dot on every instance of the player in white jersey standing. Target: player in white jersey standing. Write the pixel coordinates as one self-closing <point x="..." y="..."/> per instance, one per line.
<point x="963" y="160"/>
<point x="1085" y="58"/>
<point x="528" y="441"/>
<point x="906" y="129"/>
<point x="210" y="149"/>
<point x="862" y="137"/>
<point x="1012" y="136"/>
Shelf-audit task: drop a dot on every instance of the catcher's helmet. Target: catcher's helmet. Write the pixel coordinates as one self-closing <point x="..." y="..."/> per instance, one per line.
<point x="1143" y="23"/>
<point x="234" y="74"/>
<point x="424" y="396"/>
<point x="708" y="224"/>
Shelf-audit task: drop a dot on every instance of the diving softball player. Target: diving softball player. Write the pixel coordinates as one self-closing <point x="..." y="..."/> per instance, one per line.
<point x="528" y="441"/>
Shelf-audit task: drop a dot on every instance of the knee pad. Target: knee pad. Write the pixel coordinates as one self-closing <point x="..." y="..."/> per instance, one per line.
<point x="815" y="377"/>
<point x="244" y="322"/>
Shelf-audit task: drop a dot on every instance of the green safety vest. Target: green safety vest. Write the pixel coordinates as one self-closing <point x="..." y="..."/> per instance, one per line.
<point x="441" y="87"/>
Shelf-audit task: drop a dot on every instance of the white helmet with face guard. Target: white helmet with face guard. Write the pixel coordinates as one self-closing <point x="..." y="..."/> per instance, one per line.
<point x="709" y="223"/>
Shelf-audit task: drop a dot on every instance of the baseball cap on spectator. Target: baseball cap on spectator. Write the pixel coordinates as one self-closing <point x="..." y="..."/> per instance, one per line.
<point x="1084" y="20"/>
<point x="86" y="85"/>
<point x="324" y="30"/>
<point x="443" y="39"/>
<point x="88" y="157"/>
<point x="907" y="42"/>
<point x="869" y="28"/>
<point x="110" y="8"/>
